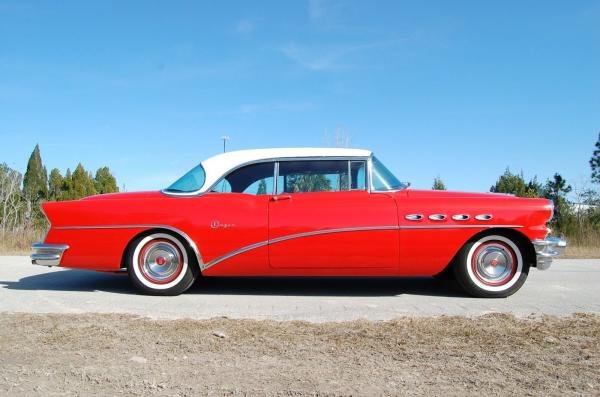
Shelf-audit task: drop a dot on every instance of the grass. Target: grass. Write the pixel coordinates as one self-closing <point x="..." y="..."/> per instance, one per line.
<point x="19" y="243"/>
<point x="584" y="247"/>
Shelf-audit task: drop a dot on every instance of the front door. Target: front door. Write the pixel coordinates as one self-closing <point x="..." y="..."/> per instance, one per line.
<point x="323" y="217"/>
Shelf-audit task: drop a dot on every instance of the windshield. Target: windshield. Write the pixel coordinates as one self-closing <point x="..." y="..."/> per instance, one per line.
<point x="192" y="181"/>
<point x="383" y="179"/>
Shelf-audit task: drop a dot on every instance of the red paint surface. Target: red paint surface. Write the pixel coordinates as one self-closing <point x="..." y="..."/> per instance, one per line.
<point x="220" y="223"/>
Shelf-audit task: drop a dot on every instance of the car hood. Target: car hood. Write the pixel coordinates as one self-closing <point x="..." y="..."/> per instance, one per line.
<point x="441" y="194"/>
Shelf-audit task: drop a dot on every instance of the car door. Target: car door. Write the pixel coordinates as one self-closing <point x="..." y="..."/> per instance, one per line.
<point x="234" y="217"/>
<point x="323" y="217"/>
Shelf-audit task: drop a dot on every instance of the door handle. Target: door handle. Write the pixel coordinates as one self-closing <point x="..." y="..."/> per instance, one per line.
<point x="281" y="197"/>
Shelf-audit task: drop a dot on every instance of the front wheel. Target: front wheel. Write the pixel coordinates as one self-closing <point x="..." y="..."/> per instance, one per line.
<point x="491" y="267"/>
<point x="158" y="264"/>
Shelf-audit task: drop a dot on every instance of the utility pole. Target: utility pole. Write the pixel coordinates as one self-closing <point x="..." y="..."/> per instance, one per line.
<point x="225" y="138"/>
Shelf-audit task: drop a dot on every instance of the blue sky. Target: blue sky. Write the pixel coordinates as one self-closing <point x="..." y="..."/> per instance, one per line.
<point x="456" y="89"/>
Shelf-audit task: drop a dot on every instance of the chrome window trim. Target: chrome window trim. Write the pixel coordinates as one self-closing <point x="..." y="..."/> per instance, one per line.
<point x="368" y="174"/>
<point x="333" y="158"/>
<point x="365" y="162"/>
<point x="370" y="179"/>
<point x="200" y="191"/>
<point x="276" y="184"/>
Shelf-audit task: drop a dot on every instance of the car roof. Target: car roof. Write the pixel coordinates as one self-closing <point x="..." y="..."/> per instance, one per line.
<point x="217" y="166"/>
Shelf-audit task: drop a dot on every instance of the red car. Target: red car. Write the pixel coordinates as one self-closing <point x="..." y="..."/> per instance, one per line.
<point x="300" y="212"/>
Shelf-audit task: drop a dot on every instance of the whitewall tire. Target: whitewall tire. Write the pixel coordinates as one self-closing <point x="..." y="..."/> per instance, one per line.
<point x="160" y="264"/>
<point x="492" y="266"/>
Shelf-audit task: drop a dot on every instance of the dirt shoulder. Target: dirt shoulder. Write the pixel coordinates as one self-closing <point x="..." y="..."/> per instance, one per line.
<point x="114" y="354"/>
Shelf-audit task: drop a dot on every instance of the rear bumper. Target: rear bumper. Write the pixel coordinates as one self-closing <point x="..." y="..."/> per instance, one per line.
<point x="47" y="254"/>
<point x="547" y="249"/>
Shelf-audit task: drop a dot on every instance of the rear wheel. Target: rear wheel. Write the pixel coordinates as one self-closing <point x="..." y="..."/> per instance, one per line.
<point x="159" y="264"/>
<point x="491" y="267"/>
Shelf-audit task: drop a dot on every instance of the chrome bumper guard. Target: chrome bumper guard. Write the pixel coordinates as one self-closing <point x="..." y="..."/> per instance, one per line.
<point x="47" y="254"/>
<point x="547" y="249"/>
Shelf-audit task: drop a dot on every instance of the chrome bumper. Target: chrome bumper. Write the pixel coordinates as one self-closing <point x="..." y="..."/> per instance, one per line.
<point x="47" y="254"/>
<point x="547" y="249"/>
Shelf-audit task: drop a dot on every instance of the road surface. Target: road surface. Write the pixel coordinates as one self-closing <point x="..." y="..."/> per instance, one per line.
<point x="570" y="286"/>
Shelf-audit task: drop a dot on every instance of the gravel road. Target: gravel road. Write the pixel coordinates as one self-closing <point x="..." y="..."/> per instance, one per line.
<point x="570" y="286"/>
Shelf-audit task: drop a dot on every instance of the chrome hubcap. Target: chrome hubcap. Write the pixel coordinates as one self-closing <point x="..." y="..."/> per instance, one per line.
<point x="160" y="261"/>
<point x="494" y="264"/>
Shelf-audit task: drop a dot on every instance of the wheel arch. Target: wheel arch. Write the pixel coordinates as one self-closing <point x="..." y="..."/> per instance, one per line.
<point x="520" y="239"/>
<point x="186" y="240"/>
<point x="527" y="248"/>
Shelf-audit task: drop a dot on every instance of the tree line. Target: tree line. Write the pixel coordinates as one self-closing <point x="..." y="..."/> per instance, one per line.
<point x="21" y="195"/>
<point x="574" y="219"/>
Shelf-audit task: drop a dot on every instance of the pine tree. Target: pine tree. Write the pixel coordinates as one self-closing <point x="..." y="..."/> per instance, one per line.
<point x="35" y="182"/>
<point x="438" y="184"/>
<point x="67" y="186"/>
<point x="262" y="187"/>
<point x="55" y="184"/>
<point x="105" y="182"/>
<point x="308" y="183"/>
<point x="556" y="189"/>
<point x="83" y="183"/>
<point x="515" y="184"/>
<point x="595" y="162"/>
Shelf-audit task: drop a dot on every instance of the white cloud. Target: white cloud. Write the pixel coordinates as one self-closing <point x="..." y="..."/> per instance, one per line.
<point x="316" y="9"/>
<point x="254" y="108"/>
<point x="329" y="58"/>
<point x="245" y="27"/>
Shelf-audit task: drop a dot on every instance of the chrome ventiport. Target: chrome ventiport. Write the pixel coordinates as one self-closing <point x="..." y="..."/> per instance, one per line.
<point x="437" y="217"/>
<point x="484" y="217"/>
<point x="414" y="217"/>
<point x="461" y="217"/>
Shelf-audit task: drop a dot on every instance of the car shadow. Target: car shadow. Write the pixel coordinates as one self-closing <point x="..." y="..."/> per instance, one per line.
<point x="82" y="281"/>
<point x="326" y="286"/>
<point x="73" y="280"/>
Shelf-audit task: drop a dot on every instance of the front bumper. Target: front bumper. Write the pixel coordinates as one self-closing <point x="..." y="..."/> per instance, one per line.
<point x="548" y="249"/>
<point x="47" y="254"/>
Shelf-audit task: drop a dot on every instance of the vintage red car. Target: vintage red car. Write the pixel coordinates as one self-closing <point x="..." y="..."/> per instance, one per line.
<point x="300" y="212"/>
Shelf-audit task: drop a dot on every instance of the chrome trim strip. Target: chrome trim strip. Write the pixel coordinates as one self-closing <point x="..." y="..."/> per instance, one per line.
<point x="294" y="236"/>
<point x="339" y="230"/>
<point x="191" y="242"/>
<point x="204" y="266"/>
<point x="459" y="226"/>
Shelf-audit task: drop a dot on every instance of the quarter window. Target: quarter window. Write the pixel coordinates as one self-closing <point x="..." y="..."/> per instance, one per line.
<point x="251" y="179"/>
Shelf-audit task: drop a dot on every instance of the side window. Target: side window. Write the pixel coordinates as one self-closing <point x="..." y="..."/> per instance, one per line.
<point x="312" y="176"/>
<point x="251" y="179"/>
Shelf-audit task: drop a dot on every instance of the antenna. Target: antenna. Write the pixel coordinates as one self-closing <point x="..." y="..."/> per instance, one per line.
<point x="225" y="139"/>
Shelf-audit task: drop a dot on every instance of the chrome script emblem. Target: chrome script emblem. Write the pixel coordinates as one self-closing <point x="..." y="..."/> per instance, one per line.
<point x="217" y="224"/>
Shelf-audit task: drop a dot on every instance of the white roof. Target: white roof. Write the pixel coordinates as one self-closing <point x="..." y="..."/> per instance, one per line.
<point x="217" y="166"/>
